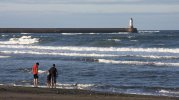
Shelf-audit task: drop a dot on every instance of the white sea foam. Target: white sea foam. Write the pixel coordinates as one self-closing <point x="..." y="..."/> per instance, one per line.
<point x="130" y="37"/>
<point x="120" y="33"/>
<point x="4" y="35"/>
<point x="156" y="57"/>
<point x="134" y="40"/>
<point x="92" y="33"/>
<point x="21" y="40"/>
<point x="72" y="33"/>
<point x="169" y="92"/>
<point x="164" y="91"/>
<point x="77" y="33"/>
<point x="152" y="53"/>
<point x="99" y="49"/>
<point x="25" y="33"/>
<point x="41" y="71"/>
<point x="149" y="31"/>
<point x="138" y="63"/>
<point x="116" y="40"/>
<point x="59" y="85"/>
<point x="60" y="54"/>
<point x="82" y="54"/>
<point x="74" y="86"/>
<point x="4" y="56"/>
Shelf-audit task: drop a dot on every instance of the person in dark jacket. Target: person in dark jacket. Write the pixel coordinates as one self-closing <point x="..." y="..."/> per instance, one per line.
<point x="54" y="73"/>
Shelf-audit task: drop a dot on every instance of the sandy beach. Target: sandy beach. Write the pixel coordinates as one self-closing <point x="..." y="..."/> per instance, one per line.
<point x="29" y="93"/>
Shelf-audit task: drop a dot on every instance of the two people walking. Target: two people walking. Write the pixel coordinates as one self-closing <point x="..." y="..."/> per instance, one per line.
<point x="51" y="77"/>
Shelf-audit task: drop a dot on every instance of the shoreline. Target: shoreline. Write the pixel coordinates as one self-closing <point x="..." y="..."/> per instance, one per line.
<point x="28" y="93"/>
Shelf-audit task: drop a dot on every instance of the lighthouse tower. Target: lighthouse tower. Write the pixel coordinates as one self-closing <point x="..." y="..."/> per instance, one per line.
<point x="131" y="23"/>
<point x="131" y="27"/>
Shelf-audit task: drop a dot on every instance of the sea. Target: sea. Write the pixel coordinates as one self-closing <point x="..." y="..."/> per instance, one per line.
<point x="144" y="63"/>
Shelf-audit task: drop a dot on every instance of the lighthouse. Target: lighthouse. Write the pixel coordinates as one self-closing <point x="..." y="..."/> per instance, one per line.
<point x="131" y="23"/>
<point x="131" y="27"/>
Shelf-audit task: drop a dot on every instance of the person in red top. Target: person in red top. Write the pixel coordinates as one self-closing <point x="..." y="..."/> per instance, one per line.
<point x="35" y="73"/>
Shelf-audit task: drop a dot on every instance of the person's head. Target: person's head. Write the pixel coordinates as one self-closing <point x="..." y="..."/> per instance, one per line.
<point x="37" y="63"/>
<point x="53" y="65"/>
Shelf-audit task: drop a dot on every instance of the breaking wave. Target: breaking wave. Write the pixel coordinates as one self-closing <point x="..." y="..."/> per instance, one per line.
<point x="72" y="33"/>
<point x="138" y="63"/>
<point x="151" y="53"/>
<point x="4" y="56"/>
<point x="74" y="86"/>
<point x="59" y="54"/>
<point x="21" y="40"/>
<point x="93" y="33"/>
<point x="25" y="33"/>
<point x="99" y="49"/>
<point x="116" y="40"/>
<point x="149" y="31"/>
<point x="169" y="92"/>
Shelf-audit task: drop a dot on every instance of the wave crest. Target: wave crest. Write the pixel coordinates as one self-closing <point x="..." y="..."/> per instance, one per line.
<point x="138" y="63"/>
<point x="21" y="40"/>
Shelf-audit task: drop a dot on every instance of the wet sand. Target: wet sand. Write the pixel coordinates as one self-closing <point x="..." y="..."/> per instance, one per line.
<point x="31" y="93"/>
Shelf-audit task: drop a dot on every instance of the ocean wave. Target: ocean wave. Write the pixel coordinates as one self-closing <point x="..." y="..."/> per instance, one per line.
<point x="77" y="33"/>
<point x="21" y="40"/>
<point x="5" y="56"/>
<point x="169" y="92"/>
<point x="25" y="33"/>
<point x="60" y="54"/>
<point x="58" y="85"/>
<point x="72" y="33"/>
<point x="93" y="33"/>
<point x="134" y="40"/>
<point x="152" y="53"/>
<point x="82" y="54"/>
<point x="149" y="31"/>
<point x="29" y="70"/>
<point x="154" y="56"/>
<point x="4" y="35"/>
<point x="74" y="86"/>
<point x="99" y="49"/>
<point x="116" y="40"/>
<point x="138" y="63"/>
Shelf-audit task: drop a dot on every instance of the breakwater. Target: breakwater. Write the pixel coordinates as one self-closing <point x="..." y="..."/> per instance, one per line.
<point x="67" y="30"/>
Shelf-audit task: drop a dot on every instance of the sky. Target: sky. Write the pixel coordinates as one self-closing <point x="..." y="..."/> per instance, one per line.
<point x="147" y="14"/>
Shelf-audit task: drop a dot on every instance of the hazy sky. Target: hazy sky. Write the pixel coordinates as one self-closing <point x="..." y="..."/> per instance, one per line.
<point x="147" y="14"/>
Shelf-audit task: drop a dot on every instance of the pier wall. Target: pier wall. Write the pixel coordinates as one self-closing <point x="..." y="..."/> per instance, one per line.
<point x="67" y="30"/>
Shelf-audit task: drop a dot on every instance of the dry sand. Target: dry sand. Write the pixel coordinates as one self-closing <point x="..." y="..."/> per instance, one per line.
<point x="30" y="93"/>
